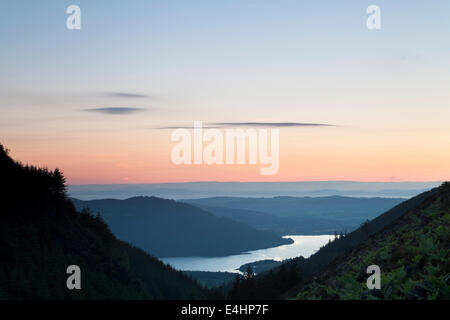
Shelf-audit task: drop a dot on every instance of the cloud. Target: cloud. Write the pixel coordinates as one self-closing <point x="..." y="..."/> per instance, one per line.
<point x="114" y="111"/>
<point x="116" y="94"/>
<point x="205" y="126"/>
<point x="128" y="95"/>
<point x="251" y="124"/>
<point x="271" y="124"/>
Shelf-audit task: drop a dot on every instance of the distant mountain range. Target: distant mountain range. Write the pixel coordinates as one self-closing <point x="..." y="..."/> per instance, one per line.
<point x="191" y="190"/>
<point x="167" y="228"/>
<point x="298" y="215"/>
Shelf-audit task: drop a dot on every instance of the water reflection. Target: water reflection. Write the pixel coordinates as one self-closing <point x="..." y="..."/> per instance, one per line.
<point x="302" y="246"/>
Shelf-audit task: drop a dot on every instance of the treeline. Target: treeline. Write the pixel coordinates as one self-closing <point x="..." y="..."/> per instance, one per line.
<point x="30" y="180"/>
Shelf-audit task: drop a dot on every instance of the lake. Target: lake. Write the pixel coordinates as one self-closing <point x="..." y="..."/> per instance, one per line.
<point x="302" y="246"/>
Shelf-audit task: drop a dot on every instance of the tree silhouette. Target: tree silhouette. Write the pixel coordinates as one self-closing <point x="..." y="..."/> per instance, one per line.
<point x="59" y="183"/>
<point x="249" y="273"/>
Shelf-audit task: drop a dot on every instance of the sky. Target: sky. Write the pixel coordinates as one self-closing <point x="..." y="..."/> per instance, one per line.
<point x="100" y="103"/>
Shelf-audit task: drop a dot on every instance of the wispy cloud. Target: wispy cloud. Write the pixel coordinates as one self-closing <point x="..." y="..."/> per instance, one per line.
<point x="128" y="95"/>
<point x="114" y="111"/>
<point x="205" y="126"/>
<point x="251" y="124"/>
<point x="270" y="124"/>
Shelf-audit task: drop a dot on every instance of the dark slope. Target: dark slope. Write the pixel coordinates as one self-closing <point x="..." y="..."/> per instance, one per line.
<point x="212" y="280"/>
<point x="41" y="234"/>
<point x="413" y="254"/>
<point x="167" y="228"/>
<point x="287" y="278"/>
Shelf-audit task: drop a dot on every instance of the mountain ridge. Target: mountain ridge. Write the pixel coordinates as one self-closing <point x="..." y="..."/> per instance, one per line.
<point x="169" y="228"/>
<point x="298" y="215"/>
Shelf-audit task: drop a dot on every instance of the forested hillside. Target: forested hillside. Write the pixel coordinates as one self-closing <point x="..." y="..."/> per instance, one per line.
<point x="410" y="243"/>
<point x="168" y="228"/>
<point x="412" y="253"/>
<point x="41" y="234"/>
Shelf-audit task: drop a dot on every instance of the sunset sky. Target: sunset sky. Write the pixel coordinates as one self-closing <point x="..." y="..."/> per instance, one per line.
<point x="99" y="102"/>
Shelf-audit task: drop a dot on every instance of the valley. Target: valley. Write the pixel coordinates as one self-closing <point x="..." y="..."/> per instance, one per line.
<point x="168" y="249"/>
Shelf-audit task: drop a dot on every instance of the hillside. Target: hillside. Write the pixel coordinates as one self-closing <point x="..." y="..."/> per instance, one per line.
<point x="412" y="253"/>
<point x="289" y="280"/>
<point x="298" y="215"/>
<point x="41" y="234"/>
<point x="167" y="228"/>
<point x="210" y="279"/>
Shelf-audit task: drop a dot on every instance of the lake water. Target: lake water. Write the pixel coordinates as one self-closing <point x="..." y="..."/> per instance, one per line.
<point x="302" y="246"/>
